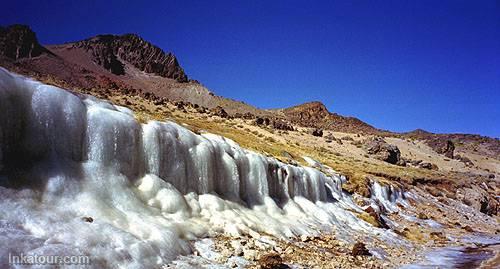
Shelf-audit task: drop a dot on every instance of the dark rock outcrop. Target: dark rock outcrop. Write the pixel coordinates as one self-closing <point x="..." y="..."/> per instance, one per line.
<point x="262" y="121"/>
<point x="19" y="41"/>
<point x="360" y="249"/>
<point x="446" y="148"/>
<point x="478" y="199"/>
<point x="317" y="132"/>
<point x="382" y="150"/>
<point x="219" y="111"/>
<point x="272" y="261"/>
<point x="279" y="124"/>
<point x="113" y="51"/>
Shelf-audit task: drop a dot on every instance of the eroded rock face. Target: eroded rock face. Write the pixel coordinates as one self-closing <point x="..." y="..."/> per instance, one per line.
<point x="478" y="199"/>
<point x="382" y="150"/>
<point x="113" y="51"/>
<point x="19" y="41"/>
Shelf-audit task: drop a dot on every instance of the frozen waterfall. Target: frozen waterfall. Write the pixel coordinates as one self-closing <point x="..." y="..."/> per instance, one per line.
<point x="148" y="187"/>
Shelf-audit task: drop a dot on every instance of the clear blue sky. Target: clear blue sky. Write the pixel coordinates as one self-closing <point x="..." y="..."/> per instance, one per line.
<point x="398" y="65"/>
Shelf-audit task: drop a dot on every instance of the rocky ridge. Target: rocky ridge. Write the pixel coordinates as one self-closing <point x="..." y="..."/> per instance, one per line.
<point x="18" y="41"/>
<point x="111" y="51"/>
<point x="129" y="64"/>
<point x="316" y="115"/>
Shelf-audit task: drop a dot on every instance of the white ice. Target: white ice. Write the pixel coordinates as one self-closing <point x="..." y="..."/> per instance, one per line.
<point x="148" y="187"/>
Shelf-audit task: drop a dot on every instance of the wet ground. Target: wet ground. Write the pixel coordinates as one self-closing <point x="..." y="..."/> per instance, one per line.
<point x="458" y="257"/>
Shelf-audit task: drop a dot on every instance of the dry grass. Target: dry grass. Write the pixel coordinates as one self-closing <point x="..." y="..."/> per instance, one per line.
<point x="273" y="143"/>
<point x="263" y="141"/>
<point x="368" y="218"/>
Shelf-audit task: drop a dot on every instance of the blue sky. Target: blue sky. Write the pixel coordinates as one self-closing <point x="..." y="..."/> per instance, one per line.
<point x="398" y="65"/>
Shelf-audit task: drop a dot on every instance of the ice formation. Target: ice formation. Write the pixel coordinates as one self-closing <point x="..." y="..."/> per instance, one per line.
<point x="149" y="188"/>
<point x="387" y="196"/>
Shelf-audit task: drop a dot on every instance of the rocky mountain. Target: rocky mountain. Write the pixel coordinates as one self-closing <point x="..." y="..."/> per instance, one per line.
<point x="129" y="64"/>
<point x="113" y="51"/>
<point x="316" y="115"/>
<point x="125" y="63"/>
<point x="128" y="146"/>
<point x="18" y="41"/>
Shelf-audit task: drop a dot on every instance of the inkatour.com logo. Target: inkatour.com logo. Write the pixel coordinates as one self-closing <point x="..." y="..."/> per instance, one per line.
<point x="23" y="259"/>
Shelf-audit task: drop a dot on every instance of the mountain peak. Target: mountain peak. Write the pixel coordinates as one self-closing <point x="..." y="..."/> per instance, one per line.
<point x="19" y="41"/>
<point x="314" y="107"/>
<point x="113" y="51"/>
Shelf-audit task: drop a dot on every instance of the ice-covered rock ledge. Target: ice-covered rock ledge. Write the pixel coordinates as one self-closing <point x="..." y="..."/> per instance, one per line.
<point x="144" y="189"/>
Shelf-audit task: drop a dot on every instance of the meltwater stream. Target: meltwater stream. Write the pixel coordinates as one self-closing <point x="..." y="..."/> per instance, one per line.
<point x="149" y="188"/>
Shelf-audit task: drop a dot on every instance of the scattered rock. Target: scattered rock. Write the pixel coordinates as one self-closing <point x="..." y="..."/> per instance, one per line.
<point x="464" y="160"/>
<point x="219" y="111"/>
<point x="279" y="124"/>
<point x="429" y="166"/>
<point x="262" y="121"/>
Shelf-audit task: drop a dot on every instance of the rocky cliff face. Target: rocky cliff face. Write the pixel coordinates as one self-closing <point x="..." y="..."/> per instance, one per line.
<point x="113" y="51"/>
<point x="19" y="41"/>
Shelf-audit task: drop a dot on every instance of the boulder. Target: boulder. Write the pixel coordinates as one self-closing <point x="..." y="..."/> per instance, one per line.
<point x="272" y="261"/>
<point x="382" y="150"/>
<point x="248" y="116"/>
<point x="446" y="148"/>
<point x="429" y="166"/>
<point x="317" y="132"/>
<point x="360" y="249"/>
<point x="282" y="125"/>
<point x="479" y="199"/>
<point x="219" y="111"/>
